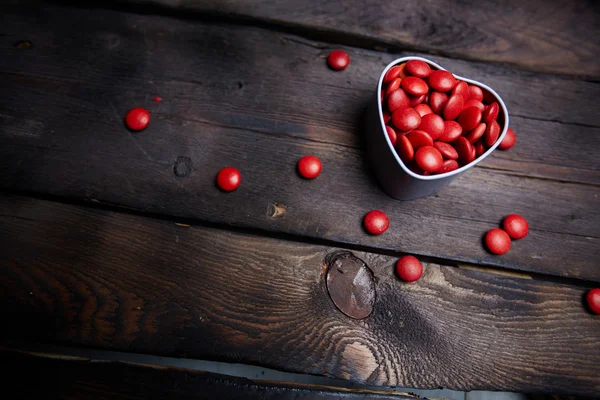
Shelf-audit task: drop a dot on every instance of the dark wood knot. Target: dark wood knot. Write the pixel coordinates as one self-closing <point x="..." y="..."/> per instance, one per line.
<point x="350" y="284"/>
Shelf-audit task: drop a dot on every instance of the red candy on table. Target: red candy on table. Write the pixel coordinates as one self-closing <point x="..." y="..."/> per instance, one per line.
<point x="593" y="300"/>
<point x="415" y="86"/>
<point x="376" y="222"/>
<point x="469" y="118"/>
<point x="391" y="134"/>
<point x="419" y="139"/>
<point x="448" y="166"/>
<point x="515" y="226"/>
<point x="409" y="269"/>
<point x="509" y="140"/>
<point x="405" y="149"/>
<point x="157" y="99"/>
<point x="398" y="100"/>
<point x="338" y="59"/>
<point x="437" y="101"/>
<point x="309" y="167"/>
<point x="441" y="81"/>
<point x="406" y="119"/>
<point x="137" y="119"/>
<point x="453" y="107"/>
<point x="497" y="241"/>
<point x="446" y="150"/>
<point x="429" y="159"/>
<point x="418" y="68"/>
<point x="475" y="134"/>
<point x="229" y="179"/>
<point x="452" y="131"/>
<point x="433" y="124"/>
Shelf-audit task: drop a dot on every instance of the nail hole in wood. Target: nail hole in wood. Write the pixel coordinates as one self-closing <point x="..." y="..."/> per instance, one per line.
<point x="350" y="284"/>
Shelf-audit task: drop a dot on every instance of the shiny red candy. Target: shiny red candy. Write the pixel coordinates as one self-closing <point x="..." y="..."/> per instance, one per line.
<point x="419" y="139"/>
<point x="475" y="134"/>
<point x="469" y="118"/>
<point x="479" y="148"/>
<point x="406" y="119"/>
<point x="338" y="59"/>
<point x="462" y="89"/>
<point x="453" y="107"/>
<point x="448" y="166"/>
<point x="441" y="81"/>
<point x="509" y="140"/>
<point x="429" y="159"/>
<point x="309" y="167"/>
<point x="492" y="132"/>
<point x="475" y="93"/>
<point x="593" y="300"/>
<point x="392" y="87"/>
<point x="423" y="109"/>
<point x="415" y="86"/>
<point x="418" y="68"/>
<point x="393" y="73"/>
<point x="391" y="134"/>
<point x="497" y="241"/>
<point x="398" y="100"/>
<point x="465" y="150"/>
<point x="376" y="222"/>
<point x="446" y="150"/>
<point x="437" y="101"/>
<point x="416" y="100"/>
<point x="405" y="149"/>
<point x="386" y="117"/>
<point x="516" y="226"/>
<point x="491" y="112"/>
<point x="452" y="131"/>
<point x="433" y="124"/>
<point x="229" y="179"/>
<point x="409" y="269"/>
<point x="137" y="119"/>
<point x="475" y="103"/>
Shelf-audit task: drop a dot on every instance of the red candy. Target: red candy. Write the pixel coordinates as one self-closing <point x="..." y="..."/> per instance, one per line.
<point x="416" y="100"/>
<point x="405" y="149"/>
<point x="593" y="300"/>
<point x="448" y="166"/>
<point x="419" y="139"/>
<point x="446" y="150"/>
<point x="475" y="134"/>
<point x="386" y="116"/>
<point x="376" y="222"/>
<point x="406" y="119"/>
<point x="433" y="124"/>
<point x="453" y="107"/>
<point x="338" y="59"/>
<point x="415" y="86"/>
<point x="391" y="134"/>
<point x="491" y="113"/>
<point x="398" y="100"/>
<point x="491" y="133"/>
<point x="469" y="118"/>
<point x="137" y="119"/>
<point x="509" y="140"/>
<point x="437" y="101"/>
<point x="418" y="68"/>
<point x="229" y="179"/>
<point x="429" y="159"/>
<point x="475" y="103"/>
<point x="462" y="89"/>
<point x="475" y="93"/>
<point x="309" y="167"/>
<point x="497" y="241"/>
<point x="157" y="99"/>
<point x="465" y="150"/>
<point x="516" y="226"/>
<point x="479" y="148"/>
<point x="441" y="81"/>
<point x="423" y="109"/>
<point x="393" y="73"/>
<point x="452" y="131"/>
<point x="394" y="85"/>
<point x="409" y="269"/>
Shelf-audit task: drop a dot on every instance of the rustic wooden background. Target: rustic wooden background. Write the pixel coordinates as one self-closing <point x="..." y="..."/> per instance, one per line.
<point x="120" y="240"/>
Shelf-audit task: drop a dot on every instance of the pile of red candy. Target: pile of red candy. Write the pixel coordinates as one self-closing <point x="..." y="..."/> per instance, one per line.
<point x="436" y="122"/>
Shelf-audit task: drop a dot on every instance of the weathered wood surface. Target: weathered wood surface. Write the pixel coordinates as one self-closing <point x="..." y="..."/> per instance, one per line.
<point x="259" y="100"/>
<point x="62" y="377"/>
<point x="112" y="280"/>
<point x="555" y="36"/>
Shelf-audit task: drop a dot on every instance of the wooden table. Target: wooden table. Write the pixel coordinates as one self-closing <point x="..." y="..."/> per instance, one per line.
<point x="119" y="240"/>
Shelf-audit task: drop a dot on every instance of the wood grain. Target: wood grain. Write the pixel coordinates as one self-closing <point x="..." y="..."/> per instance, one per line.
<point x="116" y="281"/>
<point x="555" y="36"/>
<point x="62" y="133"/>
<point x="59" y="377"/>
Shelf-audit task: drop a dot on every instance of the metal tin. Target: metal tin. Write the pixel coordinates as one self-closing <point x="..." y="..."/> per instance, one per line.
<point x="393" y="175"/>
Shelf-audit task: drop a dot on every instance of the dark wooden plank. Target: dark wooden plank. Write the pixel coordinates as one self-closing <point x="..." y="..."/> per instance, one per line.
<point x="116" y="281"/>
<point x="62" y="133"/>
<point x="557" y="36"/>
<point x="62" y="377"/>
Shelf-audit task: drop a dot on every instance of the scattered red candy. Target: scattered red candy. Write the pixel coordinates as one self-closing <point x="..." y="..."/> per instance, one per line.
<point x="376" y="222"/>
<point x="229" y="179"/>
<point x="516" y="226"/>
<point x="593" y="300"/>
<point x="497" y="241"/>
<point x="338" y="60"/>
<point x="509" y="140"/>
<point x="137" y="119"/>
<point x="309" y="167"/>
<point x="157" y="99"/>
<point x="409" y="269"/>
